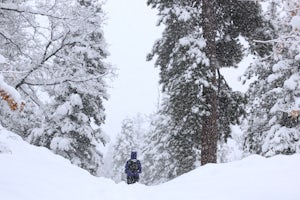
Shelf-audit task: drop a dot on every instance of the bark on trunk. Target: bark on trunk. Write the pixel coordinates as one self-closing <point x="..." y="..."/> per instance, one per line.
<point x="209" y="136"/>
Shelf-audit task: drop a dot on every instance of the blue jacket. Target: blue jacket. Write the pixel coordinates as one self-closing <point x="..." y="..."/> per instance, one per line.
<point x="133" y="158"/>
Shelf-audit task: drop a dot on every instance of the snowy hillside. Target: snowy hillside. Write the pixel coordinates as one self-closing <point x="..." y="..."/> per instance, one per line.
<point x="34" y="173"/>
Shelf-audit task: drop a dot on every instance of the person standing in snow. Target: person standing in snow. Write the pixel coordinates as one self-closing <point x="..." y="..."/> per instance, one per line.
<point x="133" y="168"/>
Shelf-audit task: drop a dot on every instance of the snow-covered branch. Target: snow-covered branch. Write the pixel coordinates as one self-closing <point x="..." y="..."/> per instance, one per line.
<point x="12" y="8"/>
<point x="14" y="44"/>
<point x="277" y="40"/>
<point x="46" y="57"/>
<point x="11" y="96"/>
<point x="66" y="80"/>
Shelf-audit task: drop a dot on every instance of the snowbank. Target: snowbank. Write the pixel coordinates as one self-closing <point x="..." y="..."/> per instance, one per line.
<point x="34" y="173"/>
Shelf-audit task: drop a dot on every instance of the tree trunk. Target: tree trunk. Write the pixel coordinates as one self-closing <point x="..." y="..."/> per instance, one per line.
<point x="209" y="136"/>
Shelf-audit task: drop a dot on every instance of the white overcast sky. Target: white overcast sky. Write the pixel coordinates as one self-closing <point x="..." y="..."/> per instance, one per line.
<point x="130" y="32"/>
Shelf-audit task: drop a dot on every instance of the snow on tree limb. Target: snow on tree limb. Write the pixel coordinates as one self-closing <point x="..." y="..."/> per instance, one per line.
<point x="13" y="8"/>
<point x="11" y="96"/>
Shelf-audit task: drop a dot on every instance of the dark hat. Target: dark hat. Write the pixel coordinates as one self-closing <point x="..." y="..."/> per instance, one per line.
<point x="133" y="155"/>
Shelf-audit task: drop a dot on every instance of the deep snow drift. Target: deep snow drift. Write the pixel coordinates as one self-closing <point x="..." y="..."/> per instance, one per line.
<point x="34" y="173"/>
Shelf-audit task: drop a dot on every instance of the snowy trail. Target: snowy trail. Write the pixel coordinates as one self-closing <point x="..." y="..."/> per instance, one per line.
<point x="34" y="173"/>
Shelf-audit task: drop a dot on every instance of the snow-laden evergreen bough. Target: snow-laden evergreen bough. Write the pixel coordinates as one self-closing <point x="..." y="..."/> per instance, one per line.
<point x="274" y="126"/>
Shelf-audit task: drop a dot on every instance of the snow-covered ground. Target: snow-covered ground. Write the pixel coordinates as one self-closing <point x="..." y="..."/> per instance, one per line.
<point x="34" y="173"/>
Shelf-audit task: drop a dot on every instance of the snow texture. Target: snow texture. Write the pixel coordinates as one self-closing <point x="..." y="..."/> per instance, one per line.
<point x="65" y="108"/>
<point x="2" y="59"/>
<point x="33" y="173"/>
<point x="295" y="23"/>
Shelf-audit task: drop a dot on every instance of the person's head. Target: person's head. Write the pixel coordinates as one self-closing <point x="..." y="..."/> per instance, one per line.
<point x="133" y="155"/>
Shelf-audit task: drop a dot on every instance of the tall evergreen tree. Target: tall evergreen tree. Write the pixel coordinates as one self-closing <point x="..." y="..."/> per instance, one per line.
<point x="159" y="159"/>
<point x="200" y="37"/>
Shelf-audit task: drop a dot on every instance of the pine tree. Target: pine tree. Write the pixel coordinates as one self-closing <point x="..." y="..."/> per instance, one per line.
<point x="199" y="38"/>
<point x="159" y="159"/>
<point x="274" y="94"/>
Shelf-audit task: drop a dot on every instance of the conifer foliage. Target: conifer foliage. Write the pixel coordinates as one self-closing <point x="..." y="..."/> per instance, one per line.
<point x="274" y="96"/>
<point x="159" y="167"/>
<point x="201" y="37"/>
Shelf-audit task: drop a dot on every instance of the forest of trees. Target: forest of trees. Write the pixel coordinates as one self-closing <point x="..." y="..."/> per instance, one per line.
<point x="53" y="83"/>
<point x="54" y="55"/>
